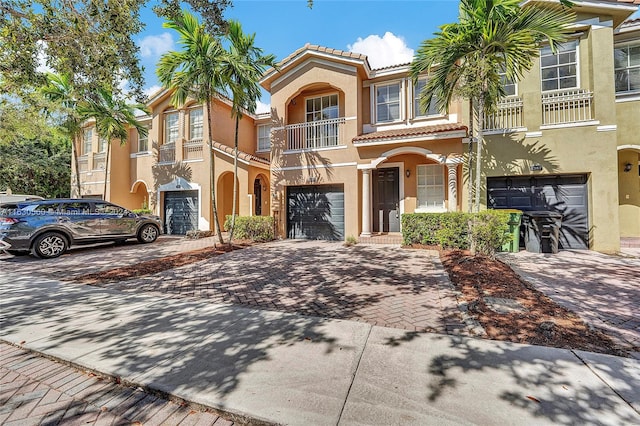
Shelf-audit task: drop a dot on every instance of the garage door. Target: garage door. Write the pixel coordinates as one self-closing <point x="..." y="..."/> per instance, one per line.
<point x="566" y="194"/>
<point x="180" y="212"/>
<point x="315" y="212"/>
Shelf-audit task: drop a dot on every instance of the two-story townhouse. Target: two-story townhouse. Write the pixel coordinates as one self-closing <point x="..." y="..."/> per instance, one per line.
<point x="351" y="151"/>
<point x="169" y="170"/>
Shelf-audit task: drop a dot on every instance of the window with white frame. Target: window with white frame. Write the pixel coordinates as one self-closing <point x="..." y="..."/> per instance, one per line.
<point x="627" y="68"/>
<point x="195" y="124"/>
<point x="559" y="70"/>
<point x="510" y="88"/>
<point x="417" y="110"/>
<point x="143" y="141"/>
<point x="322" y="108"/>
<point x="388" y="102"/>
<point x="324" y="134"/>
<point x="170" y="128"/>
<point x="86" y="141"/>
<point x="430" y="179"/>
<point x="264" y="137"/>
<point x="102" y="144"/>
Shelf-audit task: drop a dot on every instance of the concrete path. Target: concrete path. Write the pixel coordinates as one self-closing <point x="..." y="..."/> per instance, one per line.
<point x="603" y="290"/>
<point x="292" y="369"/>
<point x="36" y="390"/>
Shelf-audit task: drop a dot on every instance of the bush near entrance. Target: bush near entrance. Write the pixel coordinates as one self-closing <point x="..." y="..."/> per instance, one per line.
<point x="488" y="230"/>
<point x="254" y="228"/>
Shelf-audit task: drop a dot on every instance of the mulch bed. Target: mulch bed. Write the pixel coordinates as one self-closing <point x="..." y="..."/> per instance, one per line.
<point x="540" y="322"/>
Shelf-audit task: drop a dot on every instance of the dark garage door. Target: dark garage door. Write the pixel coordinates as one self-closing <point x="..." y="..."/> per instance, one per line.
<point x="566" y="194"/>
<point x="315" y="212"/>
<point x="180" y="212"/>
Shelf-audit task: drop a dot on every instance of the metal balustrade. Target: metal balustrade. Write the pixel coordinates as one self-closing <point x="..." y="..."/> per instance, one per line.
<point x="567" y="106"/>
<point x="508" y="115"/>
<point x="315" y="134"/>
<point x="192" y="150"/>
<point x="99" y="161"/>
<point x="167" y="153"/>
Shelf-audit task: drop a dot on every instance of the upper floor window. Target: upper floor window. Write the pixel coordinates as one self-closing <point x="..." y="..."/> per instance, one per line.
<point x="86" y="141"/>
<point x="170" y="127"/>
<point x="417" y="110"/>
<point x="102" y="144"/>
<point x="510" y="88"/>
<point x="627" y="67"/>
<point x="143" y="142"/>
<point x="264" y="137"/>
<point x="195" y="124"/>
<point x="388" y="102"/>
<point x="322" y="108"/>
<point x="559" y="71"/>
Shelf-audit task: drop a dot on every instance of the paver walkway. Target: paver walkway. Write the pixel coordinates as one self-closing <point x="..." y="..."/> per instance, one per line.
<point x="603" y="290"/>
<point x="36" y="390"/>
<point x="380" y="285"/>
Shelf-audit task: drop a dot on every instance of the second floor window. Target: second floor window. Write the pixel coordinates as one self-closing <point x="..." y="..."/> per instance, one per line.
<point x="559" y="71"/>
<point x="195" y="124"/>
<point x="171" y="128"/>
<point x="264" y="137"/>
<point x="86" y="141"/>
<point x="627" y="68"/>
<point x="417" y="110"/>
<point x="322" y="108"/>
<point x="388" y="102"/>
<point x="143" y="142"/>
<point x="509" y="85"/>
<point x="102" y="144"/>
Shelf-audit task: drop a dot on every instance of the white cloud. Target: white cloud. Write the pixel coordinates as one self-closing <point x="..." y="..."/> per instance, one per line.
<point x="150" y="91"/>
<point x="383" y="51"/>
<point x="262" y="108"/>
<point x="42" y="57"/>
<point x="156" y="45"/>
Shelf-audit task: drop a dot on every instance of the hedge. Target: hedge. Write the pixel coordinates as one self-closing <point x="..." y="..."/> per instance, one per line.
<point x="489" y="230"/>
<point x="254" y="228"/>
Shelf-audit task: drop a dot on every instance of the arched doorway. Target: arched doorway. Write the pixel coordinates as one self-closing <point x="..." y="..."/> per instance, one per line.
<point x="260" y="195"/>
<point x="224" y="197"/>
<point x="140" y="195"/>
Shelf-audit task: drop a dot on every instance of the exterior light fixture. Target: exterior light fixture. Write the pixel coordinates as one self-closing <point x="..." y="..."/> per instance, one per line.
<point x="627" y="167"/>
<point x="407" y="173"/>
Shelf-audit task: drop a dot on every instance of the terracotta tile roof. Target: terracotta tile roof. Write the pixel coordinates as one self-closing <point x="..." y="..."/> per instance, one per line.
<point x="388" y="67"/>
<point x="323" y="49"/>
<point x="409" y="132"/>
<point x="630" y="23"/>
<point x="241" y="154"/>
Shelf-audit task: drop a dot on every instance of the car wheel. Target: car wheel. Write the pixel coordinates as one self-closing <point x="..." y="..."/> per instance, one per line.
<point x="50" y="245"/>
<point x="148" y="234"/>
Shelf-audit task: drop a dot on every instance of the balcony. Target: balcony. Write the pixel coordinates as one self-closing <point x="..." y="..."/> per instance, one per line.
<point x="167" y="153"/>
<point x="192" y="150"/>
<point x="99" y="161"/>
<point x="315" y="134"/>
<point x="567" y="106"/>
<point x="83" y="163"/>
<point x="508" y="115"/>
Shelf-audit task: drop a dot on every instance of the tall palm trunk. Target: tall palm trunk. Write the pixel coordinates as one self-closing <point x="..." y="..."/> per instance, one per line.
<point x="470" y="160"/>
<point x="74" y="154"/>
<point x="235" y="184"/>
<point x="479" y="149"/>
<point x="212" y="173"/>
<point x="106" y="170"/>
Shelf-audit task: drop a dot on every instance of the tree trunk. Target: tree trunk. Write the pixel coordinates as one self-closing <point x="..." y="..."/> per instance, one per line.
<point x="470" y="162"/>
<point x="479" y="149"/>
<point x="235" y="184"/>
<point x="74" y="154"/>
<point x="212" y="174"/>
<point x="106" y="170"/>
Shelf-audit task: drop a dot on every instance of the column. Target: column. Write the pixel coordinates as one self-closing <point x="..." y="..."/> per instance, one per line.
<point x="366" y="203"/>
<point x="452" y="183"/>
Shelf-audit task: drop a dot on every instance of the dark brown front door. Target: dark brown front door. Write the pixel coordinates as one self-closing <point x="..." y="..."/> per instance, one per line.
<point x="257" y="193"/>
<point x="386" y="200"/>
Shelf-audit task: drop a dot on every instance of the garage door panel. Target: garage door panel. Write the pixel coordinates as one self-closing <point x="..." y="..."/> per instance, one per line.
<point x="315" y="212"/>
<point x="180" y="212"/>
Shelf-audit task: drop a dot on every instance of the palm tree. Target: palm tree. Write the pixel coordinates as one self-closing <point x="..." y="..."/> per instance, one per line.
<point x="464" y="59"/>
<point x="59" y="89"/>
<point x="113" y="119"/>
<point x="244" y="66"/>
<point x="196" y="72"/>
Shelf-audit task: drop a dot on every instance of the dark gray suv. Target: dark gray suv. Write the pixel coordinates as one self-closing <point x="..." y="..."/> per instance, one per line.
<point x="48" y="228"/>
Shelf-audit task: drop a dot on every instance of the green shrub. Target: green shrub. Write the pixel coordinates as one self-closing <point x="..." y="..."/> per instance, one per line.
<point x="254" y="228"/>
<point x="142" y="211"/>
<point x="350" y="241"/>
<point x="490" y="231"/>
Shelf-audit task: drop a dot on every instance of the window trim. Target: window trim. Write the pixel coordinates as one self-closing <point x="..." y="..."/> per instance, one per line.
<point x="140" y="137"/>
<point x="414" y="99"/>
<point x="627" y="43"/>
<point x="306" y="98"/>
<point x="578" y="82"/>
<point x="258" y="148"/>
<point x="401" y="101"/>
<point x="166" y="130"/>
<point x="84" y="141"/>
<point x="431" y="209"/>
<point x="515" y="83"/>
<point x="190" y="110"/>
<point x="101" y="148"/>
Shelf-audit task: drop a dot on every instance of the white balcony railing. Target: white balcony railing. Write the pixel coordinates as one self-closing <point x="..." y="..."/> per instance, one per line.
<point x="99" y="161"/>
<point x="83" y="163"/>
<point x="192" y="150"/>
<point x="508" y="115"/>
<point x="167" y="153"/>
<point x="315" y="134"/>
<point x="567" y="106"/>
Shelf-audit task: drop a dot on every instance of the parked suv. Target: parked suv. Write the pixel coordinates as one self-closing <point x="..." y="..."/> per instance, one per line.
<point x="48" y="228"/>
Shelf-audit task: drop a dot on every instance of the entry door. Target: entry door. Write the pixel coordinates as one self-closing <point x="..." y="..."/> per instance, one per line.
<point x="386" y="200"/>
<point x="257" y="194"/>
<point x="180" y="212"/>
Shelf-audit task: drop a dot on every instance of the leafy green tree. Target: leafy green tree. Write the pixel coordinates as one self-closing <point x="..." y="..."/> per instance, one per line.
<point x="243" y="68"/>
<point x="465" y="58"/>
<point x="195" y="72"/>
<point x="114" y="117"/>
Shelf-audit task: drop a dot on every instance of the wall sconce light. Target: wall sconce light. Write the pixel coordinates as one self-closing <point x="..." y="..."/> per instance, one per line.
<point x="627" y="167"/>
<point x="407" y="173"/>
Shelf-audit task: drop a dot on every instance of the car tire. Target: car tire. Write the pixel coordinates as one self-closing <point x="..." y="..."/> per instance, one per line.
<point x="148" y="233"/>
<point x="50" y="245"/>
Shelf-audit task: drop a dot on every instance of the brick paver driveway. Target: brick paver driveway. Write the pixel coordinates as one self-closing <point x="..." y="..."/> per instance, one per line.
<point x="382" y="285"/>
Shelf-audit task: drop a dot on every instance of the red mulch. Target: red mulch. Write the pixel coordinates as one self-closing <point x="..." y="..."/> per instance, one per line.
<point x="543" y="323"/>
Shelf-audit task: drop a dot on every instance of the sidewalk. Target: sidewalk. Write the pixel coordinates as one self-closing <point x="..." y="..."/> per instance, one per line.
<point x="291" y="369"/>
